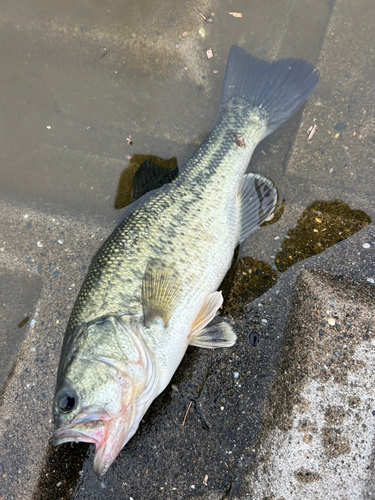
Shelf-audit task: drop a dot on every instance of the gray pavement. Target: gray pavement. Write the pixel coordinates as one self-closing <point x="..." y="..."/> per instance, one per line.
<point x="289" y="411"/>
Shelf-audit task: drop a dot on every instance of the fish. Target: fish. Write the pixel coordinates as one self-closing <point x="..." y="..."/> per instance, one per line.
<point x="152" y="288"/>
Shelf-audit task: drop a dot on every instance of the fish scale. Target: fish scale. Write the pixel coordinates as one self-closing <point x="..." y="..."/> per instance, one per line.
<point x="165" y="223"/>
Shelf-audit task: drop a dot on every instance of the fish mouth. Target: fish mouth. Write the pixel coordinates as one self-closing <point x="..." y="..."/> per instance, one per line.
<point x="108" y="434"/>
<point x="86" y="432"/>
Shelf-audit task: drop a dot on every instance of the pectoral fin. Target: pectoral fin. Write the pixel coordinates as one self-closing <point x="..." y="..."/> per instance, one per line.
<point x="258" y="197"/>
<point x="207" y="313"/>
<point x="161" y="290"/>
<point x="219" y="335"/>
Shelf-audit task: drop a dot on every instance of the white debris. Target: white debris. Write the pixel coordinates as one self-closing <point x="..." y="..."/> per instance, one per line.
<point x="236" y="374"/>
<point x="366" y="245"/>
<point x="60" y="241"/>
<point x="370" y="280"/>
<point x="39" y="244"/>
<point x="32" y="322"/>
<point x="209" y="53"/>
<point x="331" y="321"/>
<point x="49" y="127"/>
<point x="25" y="216"/>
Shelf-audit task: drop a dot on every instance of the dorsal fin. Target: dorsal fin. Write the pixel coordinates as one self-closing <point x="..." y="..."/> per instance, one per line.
<point x="258" y="197"/>
<point x="150" y="176"/>
<point x="161" y="290"/>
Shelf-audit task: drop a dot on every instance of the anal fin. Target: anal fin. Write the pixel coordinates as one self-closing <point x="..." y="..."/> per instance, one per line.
<point x="258" y="198"/>
<point x="211" y="337"/>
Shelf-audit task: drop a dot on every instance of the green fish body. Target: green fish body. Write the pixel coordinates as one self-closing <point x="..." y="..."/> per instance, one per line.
<point x="152" y="288"/>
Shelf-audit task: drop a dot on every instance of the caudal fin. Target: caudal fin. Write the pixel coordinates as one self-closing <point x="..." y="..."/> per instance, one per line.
<point x="274" y="90"/>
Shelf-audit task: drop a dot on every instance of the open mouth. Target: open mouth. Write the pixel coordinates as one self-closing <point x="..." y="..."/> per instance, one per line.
<point x="87" y="432"/>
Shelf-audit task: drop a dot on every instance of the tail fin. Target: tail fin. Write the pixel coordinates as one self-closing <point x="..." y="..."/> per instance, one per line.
<point x="273" y="90"/>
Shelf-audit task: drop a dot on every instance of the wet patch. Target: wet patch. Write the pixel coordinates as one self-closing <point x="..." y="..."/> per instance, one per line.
<point x="19" y="294"/>
<point x="334" y="443"/>
<point x="277" y="216"/>
<point x="335" y="415"/>
<point x="245" y="281"/>
<point x="321" y="225"/>
<point x="62" y="471"/>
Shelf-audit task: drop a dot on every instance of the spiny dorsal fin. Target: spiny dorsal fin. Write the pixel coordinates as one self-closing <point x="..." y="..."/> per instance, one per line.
<point x="219" y="335"/>
<point x="258" y="198"/>
<point x="150" y="176"/>
<point x="207" y="312"/>
<point x="161" y="289"/>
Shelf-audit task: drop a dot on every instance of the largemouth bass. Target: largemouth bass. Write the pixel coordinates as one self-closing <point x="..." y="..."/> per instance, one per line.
<point x="152" y="288"/>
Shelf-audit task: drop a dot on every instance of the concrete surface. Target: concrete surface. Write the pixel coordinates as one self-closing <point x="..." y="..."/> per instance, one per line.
<point x="287" y="413"/>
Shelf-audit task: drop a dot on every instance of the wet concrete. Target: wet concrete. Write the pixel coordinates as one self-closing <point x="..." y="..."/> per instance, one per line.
<point x="19" y="293"/>
<point x="96" y="74"/>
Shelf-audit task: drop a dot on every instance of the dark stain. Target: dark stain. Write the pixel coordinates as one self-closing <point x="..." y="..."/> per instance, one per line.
<point x="245" y="281"/>
<point x="335" y="415"/>
<point x="306" y="476"/>
<point x="321" y="225"/>
<point x="125" y="184"/>
<point x="334" y="443"/>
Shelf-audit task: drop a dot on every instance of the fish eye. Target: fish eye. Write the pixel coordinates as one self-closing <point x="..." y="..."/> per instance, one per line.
<point x="66" y="403"/>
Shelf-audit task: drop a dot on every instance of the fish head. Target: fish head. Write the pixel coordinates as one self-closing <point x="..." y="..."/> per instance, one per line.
<point x="105" y="384"/>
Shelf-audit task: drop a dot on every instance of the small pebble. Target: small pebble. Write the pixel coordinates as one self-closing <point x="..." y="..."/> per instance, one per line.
<point x="60" y="241"/>
<point x="264" y="321"/>
<point x="331" y="321"/>
<point x="39" y="244"/>
<point x="254" y="338"/>
<point x="49" y="127"/>
<point x="370" y="280"/>
<point x="236" y="374"/>
<point x="366" y="245"/>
